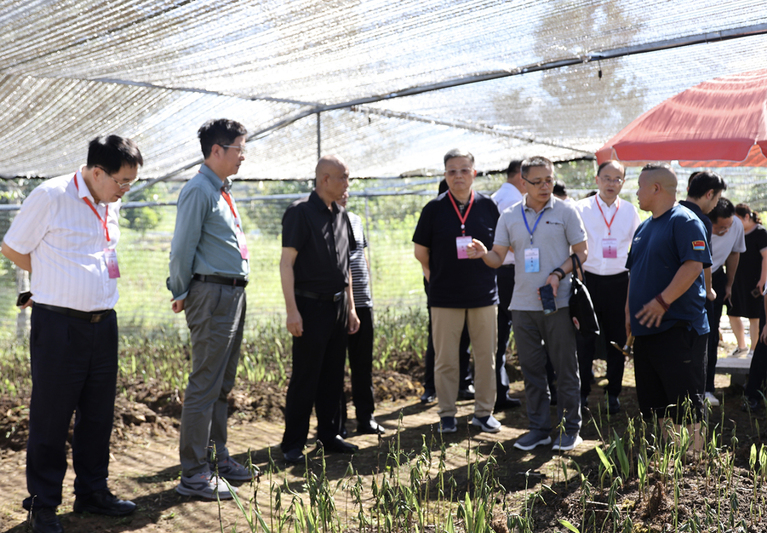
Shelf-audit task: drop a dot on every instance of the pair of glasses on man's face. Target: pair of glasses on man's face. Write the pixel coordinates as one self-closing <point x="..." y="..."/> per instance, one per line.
<point x="123" y="186"/>
<point x="540" y="183"/>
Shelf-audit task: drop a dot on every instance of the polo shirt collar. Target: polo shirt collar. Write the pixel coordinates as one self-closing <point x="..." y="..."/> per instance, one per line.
<point x="214" y="179"/>
<point x="549" y="204"/>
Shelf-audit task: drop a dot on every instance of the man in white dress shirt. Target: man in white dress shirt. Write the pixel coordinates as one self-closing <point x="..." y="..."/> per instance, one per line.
<point x="510" y="193"/>
<point x="65" y="235"/>
<point x="610" y="225"/>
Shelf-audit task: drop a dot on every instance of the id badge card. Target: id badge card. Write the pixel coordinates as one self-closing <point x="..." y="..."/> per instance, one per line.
<point x="610" y="248"/>
<point x="460" y="246"/>
<point x="532" y="260"/>
<point x="242" y="243"/>
<point x="110" y="256"/>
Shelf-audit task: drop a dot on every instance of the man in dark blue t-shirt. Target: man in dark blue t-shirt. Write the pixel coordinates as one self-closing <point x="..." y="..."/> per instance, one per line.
<point x="461" y="290"/>
<point x="666" y="303"/>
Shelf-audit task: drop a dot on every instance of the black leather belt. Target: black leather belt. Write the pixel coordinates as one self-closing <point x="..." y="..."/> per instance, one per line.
<point x="317" y="296"/>
<point x="93" y="317"/>
<point x="221" y="280"/>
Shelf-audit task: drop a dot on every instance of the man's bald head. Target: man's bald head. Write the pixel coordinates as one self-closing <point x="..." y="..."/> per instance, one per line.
<point x="663" y="175"/>
<point x="657" y="188"/>
<point x="331" y="178"/>
<point x="328" y="164"/>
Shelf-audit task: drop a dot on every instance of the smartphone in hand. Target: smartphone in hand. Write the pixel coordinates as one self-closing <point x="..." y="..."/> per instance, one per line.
<point x="547" y="299"/>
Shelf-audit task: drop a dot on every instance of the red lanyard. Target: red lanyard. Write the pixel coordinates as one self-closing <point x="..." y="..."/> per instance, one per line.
<point x="458" y="211"/>
<point x="228" y="199"/>
<point x="93" y="208"/>
<point x="617" y="206"/>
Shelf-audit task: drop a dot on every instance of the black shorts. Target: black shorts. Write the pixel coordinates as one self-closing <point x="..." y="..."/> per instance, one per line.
<point x="671" y="366"/>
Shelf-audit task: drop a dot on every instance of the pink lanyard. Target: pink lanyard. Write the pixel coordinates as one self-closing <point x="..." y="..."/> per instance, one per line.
<point x="93" y="208"/>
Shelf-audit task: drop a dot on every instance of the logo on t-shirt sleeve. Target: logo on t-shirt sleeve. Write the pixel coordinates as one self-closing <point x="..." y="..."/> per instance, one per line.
<point x="698" y="245"/>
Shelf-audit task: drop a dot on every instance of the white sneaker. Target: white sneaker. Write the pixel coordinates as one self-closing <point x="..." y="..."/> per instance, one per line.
<point x="711" y="399"/>
<point x="739" y="352"/>
<point x="205" y="485"/>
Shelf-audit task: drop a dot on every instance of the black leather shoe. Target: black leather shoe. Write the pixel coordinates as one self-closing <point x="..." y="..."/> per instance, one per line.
<point x="613" y="405"/>
<point x="337" y="445"/>
<point x="428" y="396"/>
<point x="467" y="393"/>
<point x="370" y="427"/>
<point x="751" y="404"/>
<point x="103" y="502"/>
<point x="507" y="403"/>
<point x="294" y="456"/>
<point x="44" y="520"/>
<point x="343" y="433"/>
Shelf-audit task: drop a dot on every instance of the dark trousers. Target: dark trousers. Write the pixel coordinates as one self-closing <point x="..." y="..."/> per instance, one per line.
<point x="318" y="371"/>
<point x="758" y="372"/>
<point x="505" y="277"/>
<point x="609" y="296"/>
<point x="464" y="354"/>
<point x="714" y="310"/>
<point x="74" y="369"/>
<point x="361" y="367"/>
<point x="670" y="366"/>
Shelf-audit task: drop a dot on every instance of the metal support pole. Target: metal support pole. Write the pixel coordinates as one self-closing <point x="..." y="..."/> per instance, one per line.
<point x="319" y="137"/>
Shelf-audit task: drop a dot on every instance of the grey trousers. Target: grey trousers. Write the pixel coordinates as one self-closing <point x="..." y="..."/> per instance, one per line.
<point x="558" y="334"/>
<point x="215" y="315"/>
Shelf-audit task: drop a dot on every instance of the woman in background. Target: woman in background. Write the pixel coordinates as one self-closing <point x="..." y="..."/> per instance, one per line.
<point x="749" y="282"/>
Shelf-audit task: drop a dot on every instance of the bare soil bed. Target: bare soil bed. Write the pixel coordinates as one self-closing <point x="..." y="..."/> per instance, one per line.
<point x="145" y="465"/>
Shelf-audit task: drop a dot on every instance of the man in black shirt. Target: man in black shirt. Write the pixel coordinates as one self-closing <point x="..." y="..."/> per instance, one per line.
<point x="314" y="268"/>
<point x="461" y="290"/>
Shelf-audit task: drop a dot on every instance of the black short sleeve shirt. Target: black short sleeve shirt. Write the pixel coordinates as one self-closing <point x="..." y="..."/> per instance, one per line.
<point x="322" y="238"/>
<point x="458" y="283"/>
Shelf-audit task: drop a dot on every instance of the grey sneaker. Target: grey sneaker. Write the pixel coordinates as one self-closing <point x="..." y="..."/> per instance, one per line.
<point x="486" y="423"/>
<point x="231" y="470"/>
<point x="531" y="439"/>
<point x="448" y="424"/>
<point x="567" y="442"/>
<point x="205" y="485"/>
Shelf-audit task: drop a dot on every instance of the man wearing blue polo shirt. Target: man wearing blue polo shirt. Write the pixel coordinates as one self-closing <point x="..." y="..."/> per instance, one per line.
<point x="666" y="303"/>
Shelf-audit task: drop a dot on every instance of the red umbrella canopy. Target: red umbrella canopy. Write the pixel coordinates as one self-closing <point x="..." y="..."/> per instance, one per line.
<point x="718" y="123"/>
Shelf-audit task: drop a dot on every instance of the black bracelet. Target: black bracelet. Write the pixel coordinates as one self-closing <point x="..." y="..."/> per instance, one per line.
<point x="560" y="271"/>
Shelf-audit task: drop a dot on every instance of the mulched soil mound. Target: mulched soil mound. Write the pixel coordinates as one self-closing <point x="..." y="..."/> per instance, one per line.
<point x="146" y="409"/>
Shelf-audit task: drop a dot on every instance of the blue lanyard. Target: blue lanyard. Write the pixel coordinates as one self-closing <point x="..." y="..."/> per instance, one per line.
<point x="536" y="222"/>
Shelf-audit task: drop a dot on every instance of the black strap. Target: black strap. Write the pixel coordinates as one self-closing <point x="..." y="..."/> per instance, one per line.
<point x="577" y="267"/>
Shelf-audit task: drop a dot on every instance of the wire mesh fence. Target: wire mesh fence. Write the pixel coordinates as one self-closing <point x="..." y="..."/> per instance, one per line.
<point x="389" y="208"/>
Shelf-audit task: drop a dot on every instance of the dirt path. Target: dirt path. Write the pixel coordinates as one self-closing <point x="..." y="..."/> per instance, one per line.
<point x="145" y="466"/>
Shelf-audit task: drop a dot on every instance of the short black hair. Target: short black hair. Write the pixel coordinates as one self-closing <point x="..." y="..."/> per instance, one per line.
<point x="559" y="188"/>
<point x="535" y="161"/>
<point x="112" y="152"/>
<point x="220" y="131"/>
<point x="705" y="181"/>
<point x="723" y="209"/>
<point x="514" y="167"/>
<point x="457" y="152"/>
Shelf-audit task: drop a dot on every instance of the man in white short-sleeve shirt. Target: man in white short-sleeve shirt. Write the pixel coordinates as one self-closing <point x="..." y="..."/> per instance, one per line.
<point x="610" y="225"/>
<point x="65" y="235"/>
<point x="509" y="194"/>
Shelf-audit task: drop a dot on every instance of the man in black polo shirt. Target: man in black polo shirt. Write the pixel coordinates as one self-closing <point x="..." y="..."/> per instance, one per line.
<point x="461" y="290"/>
<point x="314" y="268"/>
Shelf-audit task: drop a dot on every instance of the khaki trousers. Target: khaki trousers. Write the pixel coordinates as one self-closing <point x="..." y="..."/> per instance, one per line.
<point x="447" y="325"/>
